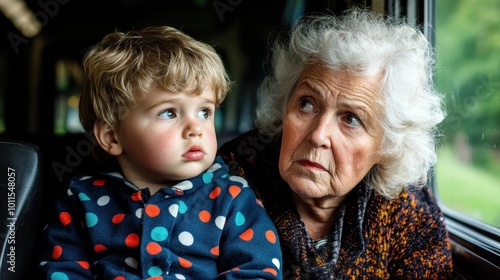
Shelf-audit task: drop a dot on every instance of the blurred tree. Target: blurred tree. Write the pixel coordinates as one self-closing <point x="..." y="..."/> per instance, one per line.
<point x="467" y="72"/>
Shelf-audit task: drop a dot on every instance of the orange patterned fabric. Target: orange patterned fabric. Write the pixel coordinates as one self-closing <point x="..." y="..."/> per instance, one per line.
<point x="374" y="238"/>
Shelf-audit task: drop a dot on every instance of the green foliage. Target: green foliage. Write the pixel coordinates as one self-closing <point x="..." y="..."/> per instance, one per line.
<point x="468" y="64"/>
<point x="468" y="189"/>
<point x="468" y="73"/>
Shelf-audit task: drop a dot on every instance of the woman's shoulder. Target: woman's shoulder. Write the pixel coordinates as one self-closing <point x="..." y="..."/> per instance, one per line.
<point x="414" y="227"/>
<point x="412" y="200"/>
<point x="415" y="210"/>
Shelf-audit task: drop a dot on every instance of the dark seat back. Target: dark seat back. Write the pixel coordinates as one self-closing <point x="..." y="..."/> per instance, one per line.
<point x="20" y="200"/>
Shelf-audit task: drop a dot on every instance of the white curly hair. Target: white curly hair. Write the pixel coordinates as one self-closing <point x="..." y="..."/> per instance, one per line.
<point x="366" y="44"/>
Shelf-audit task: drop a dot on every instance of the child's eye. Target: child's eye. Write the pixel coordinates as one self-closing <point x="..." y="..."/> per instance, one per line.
<point x="204" y="113"/>
<point x="167" y="114"/>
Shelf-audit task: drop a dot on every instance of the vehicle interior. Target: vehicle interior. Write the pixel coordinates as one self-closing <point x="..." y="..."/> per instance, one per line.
<point x="44" y="41"/>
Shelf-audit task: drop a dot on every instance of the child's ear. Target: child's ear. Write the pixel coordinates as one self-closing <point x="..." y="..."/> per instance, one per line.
<point x="106" y="138"/>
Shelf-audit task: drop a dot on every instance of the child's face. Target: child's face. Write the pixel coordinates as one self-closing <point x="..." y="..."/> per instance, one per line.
<point x="168" y="137"/>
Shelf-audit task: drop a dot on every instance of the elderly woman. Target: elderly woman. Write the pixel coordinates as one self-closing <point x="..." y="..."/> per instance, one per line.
<point x="345" y="140"/>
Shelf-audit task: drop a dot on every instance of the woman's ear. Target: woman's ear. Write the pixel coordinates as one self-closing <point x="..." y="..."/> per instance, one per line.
<point x="106" y="138"/>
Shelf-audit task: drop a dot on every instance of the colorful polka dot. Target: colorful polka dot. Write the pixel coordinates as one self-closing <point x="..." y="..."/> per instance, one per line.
<point x="180" y="276"/>
<point x="59" y="276"/>
<point x="132" y="240"/>
<point x="270" y="236"/>
<point x="204" y="216"/>
<point x="220" y="222"/>
<point x="182" y="207"/>
<point x="99" y="248"/>
<point x="118" y="218"/>
<point x="215" y="166"/>
<point x="131" y="262"/>
<point x="247" y="235"/>
<point x="99" y="182"/>
<point x="65" y="218"/>
<point x="90" y="219"/>
<point x="103" y="200"/>
<point x="154" y="271"/>
<point x="159" y="234"/>
<point x="137" y="196"/>
<point x="139" y="212"/>
<point x="186" y="238"/>
<point x="119" y="278"/>
<point x="185" y="263"/>
<point x="239" y="219"/>
<point x="173" y="210"/>
<point x="152" y="210"/>
<point x="271" y="270"/>
<point x="276" y="262"/>
<point x="215" y="251"/>
<point x="215" y="193"/>
<point x="184" y="185"/>
<point x="153" y="248"/>
<point x="207" y="177"/>
<point x="239" y="179"/>
<point x="84" y="264"/>
<point x="83" y="197"/>
<point x="57" y="252"/>
<point x="234" y="191"/>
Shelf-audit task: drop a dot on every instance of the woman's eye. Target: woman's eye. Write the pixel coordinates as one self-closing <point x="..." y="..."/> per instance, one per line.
<point x="351" y="120"/>
<point x="306" y="105"/>
<point x="167" y="114"/>
<point x="204" y="113"/>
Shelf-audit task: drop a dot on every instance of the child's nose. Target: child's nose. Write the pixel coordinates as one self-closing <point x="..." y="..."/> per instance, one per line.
<point x="192" y="129"/>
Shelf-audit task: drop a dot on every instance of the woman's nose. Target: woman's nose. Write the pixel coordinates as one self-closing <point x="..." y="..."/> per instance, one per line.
<point x="321" y="133"/>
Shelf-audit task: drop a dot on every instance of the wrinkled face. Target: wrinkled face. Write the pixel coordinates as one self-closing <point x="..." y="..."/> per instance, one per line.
<point x="331" y="133"/>
<point x="168" y="137"/>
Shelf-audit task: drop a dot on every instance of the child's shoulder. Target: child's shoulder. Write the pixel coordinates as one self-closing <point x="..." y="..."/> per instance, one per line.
<point x="235" y="179"/>
<point x="95" y="186"/>
<point x="84" y="181"/>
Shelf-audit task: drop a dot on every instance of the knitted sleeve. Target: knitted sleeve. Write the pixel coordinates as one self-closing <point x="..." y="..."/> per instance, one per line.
<point x="419" y="241"/>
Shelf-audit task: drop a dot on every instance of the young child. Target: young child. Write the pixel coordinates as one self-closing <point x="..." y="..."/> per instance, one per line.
<point x="165" y="208"/>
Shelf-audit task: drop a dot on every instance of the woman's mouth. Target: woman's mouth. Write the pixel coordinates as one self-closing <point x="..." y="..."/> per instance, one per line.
<point x="311" y="165"/>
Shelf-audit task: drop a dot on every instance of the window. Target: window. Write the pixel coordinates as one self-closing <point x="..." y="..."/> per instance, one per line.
<point x="68" y="79"/>
<point x="467" y="71"/>
<point x="2" y="89"/>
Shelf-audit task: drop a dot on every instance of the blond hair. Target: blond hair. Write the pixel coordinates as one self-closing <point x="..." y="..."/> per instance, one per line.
<point x="123" y="67"/>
